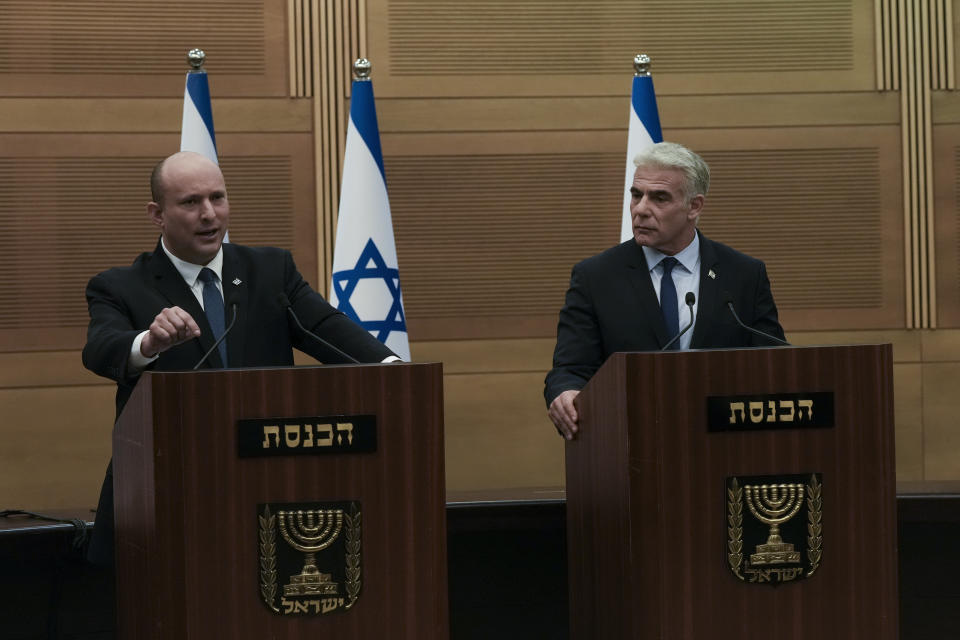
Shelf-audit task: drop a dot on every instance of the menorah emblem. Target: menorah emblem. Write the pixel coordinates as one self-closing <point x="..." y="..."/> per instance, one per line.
<point x="773" y="505"/>
<point x="309" y="532"/>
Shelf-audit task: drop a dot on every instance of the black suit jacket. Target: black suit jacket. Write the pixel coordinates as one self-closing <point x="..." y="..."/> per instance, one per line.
<point x="124" y="301"/>
<point x="611" y="306"/>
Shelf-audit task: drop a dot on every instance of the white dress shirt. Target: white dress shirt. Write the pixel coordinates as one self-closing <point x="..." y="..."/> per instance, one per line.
<point x="686" y="278"/>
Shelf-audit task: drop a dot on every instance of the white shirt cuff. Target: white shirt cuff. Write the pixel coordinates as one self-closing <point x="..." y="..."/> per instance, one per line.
<point x="138" y="361"/>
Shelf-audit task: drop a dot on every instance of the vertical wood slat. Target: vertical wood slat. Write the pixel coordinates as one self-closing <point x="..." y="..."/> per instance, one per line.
<point x="337" y="29"/>
<point x="923" y="46"/>
<point x="948" y="44"/>
<point x="908" y="182"/>
<point x="323" y="119"/>
<point x="881" y="39"/>
<point x="297" y="44"/>
<point x="291" y="48"/>
<point x="936" y="24"/>
<point x="922" y="62"/>
<point x="931" y="57"/>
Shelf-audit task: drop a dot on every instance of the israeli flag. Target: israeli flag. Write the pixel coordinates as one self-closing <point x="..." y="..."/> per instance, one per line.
<point x="196" y="133"/>
<point x="644" y="132"/>
<point x="366" y="278"/>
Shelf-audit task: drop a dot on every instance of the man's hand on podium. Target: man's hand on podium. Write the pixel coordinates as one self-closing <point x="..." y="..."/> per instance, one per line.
<point x="564" y="414"/>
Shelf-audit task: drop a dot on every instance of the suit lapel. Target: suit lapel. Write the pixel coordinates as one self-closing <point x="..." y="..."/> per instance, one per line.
<point x="235" y="292"/>
<point x="710" y="303"/>
<point x="639" y="278"/>
<point x="168" y="281"/>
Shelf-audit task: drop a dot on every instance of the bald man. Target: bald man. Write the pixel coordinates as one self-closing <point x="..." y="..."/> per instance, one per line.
<point x="152" y="315"/>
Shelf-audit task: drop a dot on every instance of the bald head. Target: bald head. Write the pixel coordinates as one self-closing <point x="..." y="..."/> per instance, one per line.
<point x="179" y="160"/>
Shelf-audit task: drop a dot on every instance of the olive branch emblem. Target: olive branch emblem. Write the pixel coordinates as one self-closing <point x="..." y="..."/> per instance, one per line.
<point x="268" y="558"/>
<point x="814" y="524"/>
<point x="735" y="528"/>
<point x="353" y="536"/>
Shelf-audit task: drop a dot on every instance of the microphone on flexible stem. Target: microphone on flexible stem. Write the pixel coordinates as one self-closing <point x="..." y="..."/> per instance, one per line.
<point x="233" y="308"/>
<point x="691" y="300"/>
<point x="728" y="300"/>
<point x="285" y="303"/>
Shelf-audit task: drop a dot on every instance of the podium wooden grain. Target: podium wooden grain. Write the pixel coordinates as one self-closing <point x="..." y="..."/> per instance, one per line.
<point x="186" y="504"/>
<point x="646" y="512"/>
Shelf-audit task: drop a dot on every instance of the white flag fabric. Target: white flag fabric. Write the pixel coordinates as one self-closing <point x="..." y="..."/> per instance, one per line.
<point x="196" y="132"/>
<point x="366" y="277"/>
<point x="644" y="131"/>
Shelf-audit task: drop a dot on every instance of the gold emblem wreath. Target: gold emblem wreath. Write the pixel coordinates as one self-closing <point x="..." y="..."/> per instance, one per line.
<point x="735" y="528"/>
<point x="814" y="524"/>
<point x="353" y="554"/>
<point x="268" y="558"/>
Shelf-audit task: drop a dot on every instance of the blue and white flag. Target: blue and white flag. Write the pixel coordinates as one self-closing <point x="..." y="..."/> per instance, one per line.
<point x="644" y="132"/>
<point x="196" y="133"/>
<point x="366" y="278"/>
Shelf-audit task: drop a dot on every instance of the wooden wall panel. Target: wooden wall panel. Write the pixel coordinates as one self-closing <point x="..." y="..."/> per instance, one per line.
<point x="822" y="207"/>
<point x="941" y="436"/>
<point x="56" y="446"/>
<point x="569" y="47"/>
<point x="486" y="242"/>
<point x="146" y="115"/>
<point x="127" y="47"/>
<point x="504" y="128"/>
<point x="513" y="445"/>
<point x="74" y="205"/>
<point x="947" y="223"/>
<point x="486" y="238"/>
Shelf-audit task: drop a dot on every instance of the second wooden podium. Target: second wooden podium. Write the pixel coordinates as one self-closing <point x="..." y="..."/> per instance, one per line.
<point x="282" y="503"/>
<point x="734" y="495"/>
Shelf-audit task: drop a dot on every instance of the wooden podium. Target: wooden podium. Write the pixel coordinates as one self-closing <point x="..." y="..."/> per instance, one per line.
<point x="197" y="555"/>
<point x="655" y="524"/>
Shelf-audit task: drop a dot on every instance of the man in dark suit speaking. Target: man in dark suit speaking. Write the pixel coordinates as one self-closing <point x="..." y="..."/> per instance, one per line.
<point x="166" y="310"/>
<point x="639" y="295"/>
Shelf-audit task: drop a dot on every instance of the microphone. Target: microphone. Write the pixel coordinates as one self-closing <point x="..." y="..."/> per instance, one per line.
<point x="691" y="300"/>
<point x="728" y="300"/>
<point x="233" y="308"/>
<point x="285" y="303"/>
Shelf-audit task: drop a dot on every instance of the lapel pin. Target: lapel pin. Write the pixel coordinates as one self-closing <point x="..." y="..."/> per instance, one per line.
<point x="237" y="281"/>
<point x="712" y="275"/>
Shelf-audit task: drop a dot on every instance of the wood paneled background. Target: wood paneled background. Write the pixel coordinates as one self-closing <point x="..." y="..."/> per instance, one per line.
<point x="831" y="126"/>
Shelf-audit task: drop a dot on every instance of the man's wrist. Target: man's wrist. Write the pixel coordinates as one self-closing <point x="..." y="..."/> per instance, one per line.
<point x="137" y="360"/>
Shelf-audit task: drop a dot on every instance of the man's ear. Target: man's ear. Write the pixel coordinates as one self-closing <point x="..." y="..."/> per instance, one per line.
<point x="696" y="206"/>
<point x="155" y="213"/>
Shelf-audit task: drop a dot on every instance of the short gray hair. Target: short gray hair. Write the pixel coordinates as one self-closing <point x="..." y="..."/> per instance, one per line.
<point x="670" y="155"/>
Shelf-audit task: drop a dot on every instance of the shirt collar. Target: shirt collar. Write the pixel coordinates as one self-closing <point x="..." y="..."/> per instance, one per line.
<point x="688" y="257"/>
<point x="190" y="271"/>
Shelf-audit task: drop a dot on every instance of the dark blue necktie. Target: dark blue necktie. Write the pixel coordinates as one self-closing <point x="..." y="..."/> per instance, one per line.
<point x="213" y="307"/>
<point x="668" y="300"/>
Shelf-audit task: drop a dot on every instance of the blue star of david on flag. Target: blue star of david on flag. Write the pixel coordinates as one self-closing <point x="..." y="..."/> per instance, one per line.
<point x="371" y="266"/>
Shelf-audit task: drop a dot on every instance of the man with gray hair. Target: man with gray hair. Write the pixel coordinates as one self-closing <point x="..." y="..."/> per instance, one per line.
<point x="631" y="297"/>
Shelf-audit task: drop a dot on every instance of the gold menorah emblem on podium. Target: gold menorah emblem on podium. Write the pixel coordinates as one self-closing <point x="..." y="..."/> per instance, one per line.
<point x="773" y="505"/>
<point x="309" y="532"/>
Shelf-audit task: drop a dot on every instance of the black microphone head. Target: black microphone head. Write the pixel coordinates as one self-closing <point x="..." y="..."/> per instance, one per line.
<point x="283" y="301"/>
<point x="690" y="299"/>
<point x="727" y="298"/>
